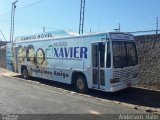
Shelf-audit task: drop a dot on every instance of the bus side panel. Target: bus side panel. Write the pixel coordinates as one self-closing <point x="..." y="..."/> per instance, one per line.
<point x="57" y="59"/>
<point x="10" y="62"/>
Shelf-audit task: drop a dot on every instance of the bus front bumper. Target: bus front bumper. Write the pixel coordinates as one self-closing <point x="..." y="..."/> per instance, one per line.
<point x="123" y="85"/>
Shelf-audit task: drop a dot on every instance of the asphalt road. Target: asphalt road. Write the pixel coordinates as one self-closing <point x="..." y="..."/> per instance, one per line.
<point x="22" y="97"/>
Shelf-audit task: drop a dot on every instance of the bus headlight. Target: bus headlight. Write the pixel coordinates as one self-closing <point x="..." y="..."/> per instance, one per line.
<point x="114" y="80"/>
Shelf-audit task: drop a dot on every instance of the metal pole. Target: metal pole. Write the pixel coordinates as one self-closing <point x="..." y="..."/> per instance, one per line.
<point x="11" y="24"/>
<point x="81" y="21"/>
<point x="80" y="18"/>
<point x="83" y="15"/>
<point x="12" y="20"/>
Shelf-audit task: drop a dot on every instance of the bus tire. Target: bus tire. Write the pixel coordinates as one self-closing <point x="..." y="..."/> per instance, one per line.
<point x="81" y="84"/>
<point x="24" y="73"/>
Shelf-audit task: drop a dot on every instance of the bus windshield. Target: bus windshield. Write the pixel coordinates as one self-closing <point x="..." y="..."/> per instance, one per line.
<point x="124" y="54"/>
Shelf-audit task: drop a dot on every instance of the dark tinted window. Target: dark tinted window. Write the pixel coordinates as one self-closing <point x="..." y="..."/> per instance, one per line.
<point x="108" y="62"/>
<point x="95" y="56"/>
<point x="102" y="54"/>
<point x="124" y="54"/>
<point x="131" y="54"/>
<point x="119" y="54"/>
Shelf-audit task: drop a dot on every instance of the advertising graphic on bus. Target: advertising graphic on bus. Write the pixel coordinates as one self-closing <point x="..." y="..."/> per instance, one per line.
<point x="102" y="61"/>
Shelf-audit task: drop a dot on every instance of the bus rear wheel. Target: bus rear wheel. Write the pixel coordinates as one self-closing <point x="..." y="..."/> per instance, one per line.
<point x="25" y="73"/>
<point x="81" y="84"/>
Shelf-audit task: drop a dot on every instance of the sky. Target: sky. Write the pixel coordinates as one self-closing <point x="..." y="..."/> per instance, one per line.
<point x="100" y="16"/>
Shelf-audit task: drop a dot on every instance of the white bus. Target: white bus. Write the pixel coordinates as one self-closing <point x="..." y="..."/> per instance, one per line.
<point x="102" y="61"/>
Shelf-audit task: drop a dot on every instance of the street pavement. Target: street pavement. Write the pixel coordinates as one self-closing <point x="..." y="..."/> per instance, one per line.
<point x="19" y="96"/>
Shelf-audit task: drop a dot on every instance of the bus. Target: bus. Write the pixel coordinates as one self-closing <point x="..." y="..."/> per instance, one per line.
<point x="102" y="61"/>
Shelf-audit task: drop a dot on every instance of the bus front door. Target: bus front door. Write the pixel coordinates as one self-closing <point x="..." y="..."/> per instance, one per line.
<point x="98" y="65"/>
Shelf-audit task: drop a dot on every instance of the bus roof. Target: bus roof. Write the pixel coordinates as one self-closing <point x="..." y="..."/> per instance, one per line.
<point x="65" y="34"/>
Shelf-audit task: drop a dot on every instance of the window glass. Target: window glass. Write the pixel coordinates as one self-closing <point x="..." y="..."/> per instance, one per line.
<point x="94" y="56"/>
<point x="124" y="54"/>
<point x="131" y="54"/>
<point x="102" y="54"/>
<point x="119" y="55"/>
<point x="108" y="62"/>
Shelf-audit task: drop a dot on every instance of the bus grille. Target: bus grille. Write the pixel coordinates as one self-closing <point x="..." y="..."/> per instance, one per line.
<point x="125" y="74"/>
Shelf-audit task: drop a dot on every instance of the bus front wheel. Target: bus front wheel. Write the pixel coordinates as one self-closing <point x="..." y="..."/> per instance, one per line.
<point x="81" y="84"/>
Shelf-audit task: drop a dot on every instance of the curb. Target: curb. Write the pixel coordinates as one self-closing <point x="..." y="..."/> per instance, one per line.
<point x="137" y="107"/>
<point x="146" y="88"/>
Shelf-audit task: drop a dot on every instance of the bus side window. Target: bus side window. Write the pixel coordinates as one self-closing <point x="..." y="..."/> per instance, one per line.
<point x="102" y="54"/>
<point x="108" y="62"/>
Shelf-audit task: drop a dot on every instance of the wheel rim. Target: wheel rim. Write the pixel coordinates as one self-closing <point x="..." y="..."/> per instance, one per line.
<point x="80" y="84"/>
<point x="25" y="74"/>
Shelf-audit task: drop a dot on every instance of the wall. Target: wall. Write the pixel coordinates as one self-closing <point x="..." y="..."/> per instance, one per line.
<point x="148" y="49"/>
<point x="2" y="54"/>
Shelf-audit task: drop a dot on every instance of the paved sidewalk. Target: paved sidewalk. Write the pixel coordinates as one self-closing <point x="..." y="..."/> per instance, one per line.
<point x="8" y="73"/>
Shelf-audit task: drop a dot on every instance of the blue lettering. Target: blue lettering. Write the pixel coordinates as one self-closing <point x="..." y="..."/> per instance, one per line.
<point x="61" y="53"/>
<point x="71" y="52"/>
<point x="83" y="53"/>
<point x="75" y="52"/>
<point x="66" y="52"/>
<point x="56" y="52"/>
